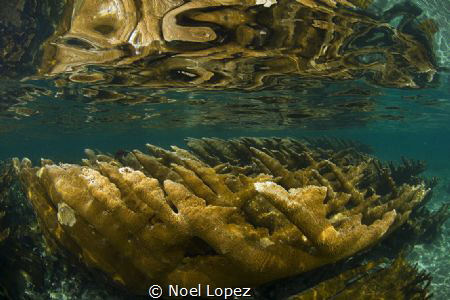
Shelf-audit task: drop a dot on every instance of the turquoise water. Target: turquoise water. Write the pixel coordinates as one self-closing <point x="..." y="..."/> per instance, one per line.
<point x="52" y="107"/>
<point x="411" y="123"/>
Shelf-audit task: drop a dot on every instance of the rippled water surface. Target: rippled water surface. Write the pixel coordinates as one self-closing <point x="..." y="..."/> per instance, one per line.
<point x="115" y="75"/>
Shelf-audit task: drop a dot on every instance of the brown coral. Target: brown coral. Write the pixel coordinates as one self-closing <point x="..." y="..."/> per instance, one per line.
<point x="375" y="280"/>
<point x="5" y="177"/>
<point x="4" y="233"/>
<point x="172" y="218"/>
<point x="231" y="44"/>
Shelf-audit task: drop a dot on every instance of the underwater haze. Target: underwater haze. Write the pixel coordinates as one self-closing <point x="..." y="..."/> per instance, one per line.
<point x="295" y="148"/>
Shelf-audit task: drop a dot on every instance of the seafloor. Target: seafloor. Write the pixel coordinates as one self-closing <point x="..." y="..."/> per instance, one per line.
<point x="433" y="256"/>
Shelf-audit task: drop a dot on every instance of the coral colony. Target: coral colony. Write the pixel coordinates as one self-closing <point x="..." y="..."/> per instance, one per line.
<point x="225" y="214"/>
<point x="221" y="217"/>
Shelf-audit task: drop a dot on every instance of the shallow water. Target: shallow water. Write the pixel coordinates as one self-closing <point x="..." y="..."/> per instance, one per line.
<point x="84" y="90"/>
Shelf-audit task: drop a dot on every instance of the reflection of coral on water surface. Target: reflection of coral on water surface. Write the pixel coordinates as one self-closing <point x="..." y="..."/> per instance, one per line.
<point x="218" y="44"/>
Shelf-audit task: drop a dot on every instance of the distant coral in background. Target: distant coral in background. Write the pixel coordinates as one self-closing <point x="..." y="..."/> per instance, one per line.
<point x="230" y="213"/>
<point x="4" y="232"/>
<point x="4" y="186"/>
<point x="373" y="281"/>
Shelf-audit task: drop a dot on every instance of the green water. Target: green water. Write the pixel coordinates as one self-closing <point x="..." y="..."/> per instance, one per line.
<point x="52" y="116"/>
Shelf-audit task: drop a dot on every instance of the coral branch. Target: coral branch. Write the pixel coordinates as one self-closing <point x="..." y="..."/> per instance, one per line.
<point x="215" y="216"/>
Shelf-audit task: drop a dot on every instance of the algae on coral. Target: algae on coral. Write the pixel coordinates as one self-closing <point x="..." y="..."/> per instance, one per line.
<point x="233" y="222"/>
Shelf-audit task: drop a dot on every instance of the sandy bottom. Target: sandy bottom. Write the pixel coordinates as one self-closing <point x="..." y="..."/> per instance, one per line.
<point x="434" y="257"/>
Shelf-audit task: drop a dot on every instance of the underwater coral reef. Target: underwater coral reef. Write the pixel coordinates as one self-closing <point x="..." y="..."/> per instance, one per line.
<point x="4" y="185"/>
<point x="4" y="231"/>
<point x="227" y="213"/>
<point x="374" y="280"/>
<point x="306" y="218"/>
